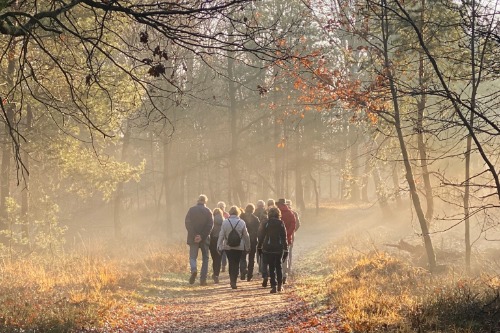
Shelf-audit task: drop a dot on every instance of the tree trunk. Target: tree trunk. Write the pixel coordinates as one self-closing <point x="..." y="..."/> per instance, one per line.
<point x="118" y="199"/>
<point x="364" y="179"/>
<point x="316" y="192"/>
<point x="381" y="192"/>
<point x="422" y="147"/>
<point x="7" y="146"/>
<point x="25" y="192"/>
<point x="431" y="257"/>
<point x="286" y="190"/>
<point x="5" y="168"/>
<point x="395" y="183"/>
<point x="277" y="157"/>
<point x="354" y="158"/>
<point x="167" y="188"/>
<point x="468" y="246"/>
<point x="299" y="188"/>
<point x="343" y="163"/>
<point x="237" y="195"/>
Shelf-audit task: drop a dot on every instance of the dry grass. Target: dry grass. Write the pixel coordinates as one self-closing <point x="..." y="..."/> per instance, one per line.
<point x="78" y="289"/>
<point x="377" y="292"/>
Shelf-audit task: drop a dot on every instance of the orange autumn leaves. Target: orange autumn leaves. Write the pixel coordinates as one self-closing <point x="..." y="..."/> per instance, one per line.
<point x="321" y="88"/>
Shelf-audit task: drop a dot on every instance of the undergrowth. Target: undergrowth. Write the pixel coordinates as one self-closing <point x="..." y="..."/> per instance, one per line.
<point x="378" y="292"/>
<point x="77" y="290"/>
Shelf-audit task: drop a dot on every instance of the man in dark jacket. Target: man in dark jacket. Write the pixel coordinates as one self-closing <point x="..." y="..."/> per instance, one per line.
<point x="199" y="222"/>
<point x="289" y="220"/>
<point x="261" y="213"/>
<point x="252" y="222"/>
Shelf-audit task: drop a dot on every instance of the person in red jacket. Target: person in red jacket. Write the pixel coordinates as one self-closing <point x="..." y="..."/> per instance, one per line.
<point x="297" y="226"/>
<point x="288" y="219"/>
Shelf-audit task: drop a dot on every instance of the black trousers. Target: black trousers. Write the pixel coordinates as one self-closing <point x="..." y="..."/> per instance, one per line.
<point x="216" y="257"/>
<point x="247" y="267"/>
<point x="233" y="260"/>
<point x="275" y="270"/>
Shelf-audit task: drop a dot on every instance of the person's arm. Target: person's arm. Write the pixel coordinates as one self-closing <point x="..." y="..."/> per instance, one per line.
<point x="220" y="241"/>
<point x="246" y="237"/>
<point x="283" y="236"/>
<point x="209" y="224"/>
<point x="290" y="228"/>
<point x="260" y="235"/>
<point x="297" y="220"/>
<point x="187" y="222"/>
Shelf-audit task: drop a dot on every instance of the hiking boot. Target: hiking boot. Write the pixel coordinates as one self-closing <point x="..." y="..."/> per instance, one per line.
<point x="216" y="279"/>
<point x="264" y="282"/>
<point x="192" y="277"/>
<point x="284" y="280"/>
<point x="233" y="286"/>
<point x="249" y="278"/>
<point x="243" y="277"/>
<point x="273" y="290"/>
<point x="203" y="282"/>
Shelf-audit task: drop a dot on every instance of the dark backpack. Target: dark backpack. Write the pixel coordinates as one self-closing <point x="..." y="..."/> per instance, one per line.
<point x="234" y="238"/>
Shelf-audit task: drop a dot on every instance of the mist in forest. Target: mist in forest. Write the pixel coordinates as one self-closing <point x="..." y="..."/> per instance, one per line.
<point x="329" y="106"/>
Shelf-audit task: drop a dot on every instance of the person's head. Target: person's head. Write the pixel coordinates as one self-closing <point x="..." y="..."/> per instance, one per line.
<point x="234" y="210"/>
<point x="202" y="199"/>
<point x="217" y="211"/>
<point x="281" y="202"/>
<point x="270" y="203"/>
<point x="261" y="204"/>
<point x="221" y="205"/>
<point x="274" y="213"/>
<point x="250" y="208"/>
<point x="288" y="202"/>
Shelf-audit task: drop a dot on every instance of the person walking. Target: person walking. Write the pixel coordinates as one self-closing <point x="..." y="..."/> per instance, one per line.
<point x="233" y="252"/>
<point x="214" y="237"/>
<point x="270" y="203"/>
<point x="252" y="222"/>
<point x="222" y="206"/>
<point x="199" y="223"/>
<point x="289" y="221"/>
<point x="288" y="263"/>
<point x="274" y="248"/>
<point x="261" y="213"/>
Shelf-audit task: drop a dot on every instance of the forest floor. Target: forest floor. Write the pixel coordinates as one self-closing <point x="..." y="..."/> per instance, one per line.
<point x="348" y="276"/>
<point x="170" y="304"/>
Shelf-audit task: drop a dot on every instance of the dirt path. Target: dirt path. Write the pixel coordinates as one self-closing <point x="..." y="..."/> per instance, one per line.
<point x="181" y="308"/>
<point x="218" y="308"/>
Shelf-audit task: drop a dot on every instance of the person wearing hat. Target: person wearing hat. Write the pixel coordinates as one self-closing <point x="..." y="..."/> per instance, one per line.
<point x="199" y="223"/>
<point x="289" y="220"/>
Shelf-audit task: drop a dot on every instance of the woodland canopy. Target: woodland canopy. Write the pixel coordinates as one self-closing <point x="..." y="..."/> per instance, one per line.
<point x="113" y="110"/>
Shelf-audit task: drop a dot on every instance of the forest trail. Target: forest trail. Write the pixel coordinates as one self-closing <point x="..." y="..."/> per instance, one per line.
<point x="178" y="307"/>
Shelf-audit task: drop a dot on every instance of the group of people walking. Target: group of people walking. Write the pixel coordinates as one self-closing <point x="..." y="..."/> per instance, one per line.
<point x="241" y="237"/>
